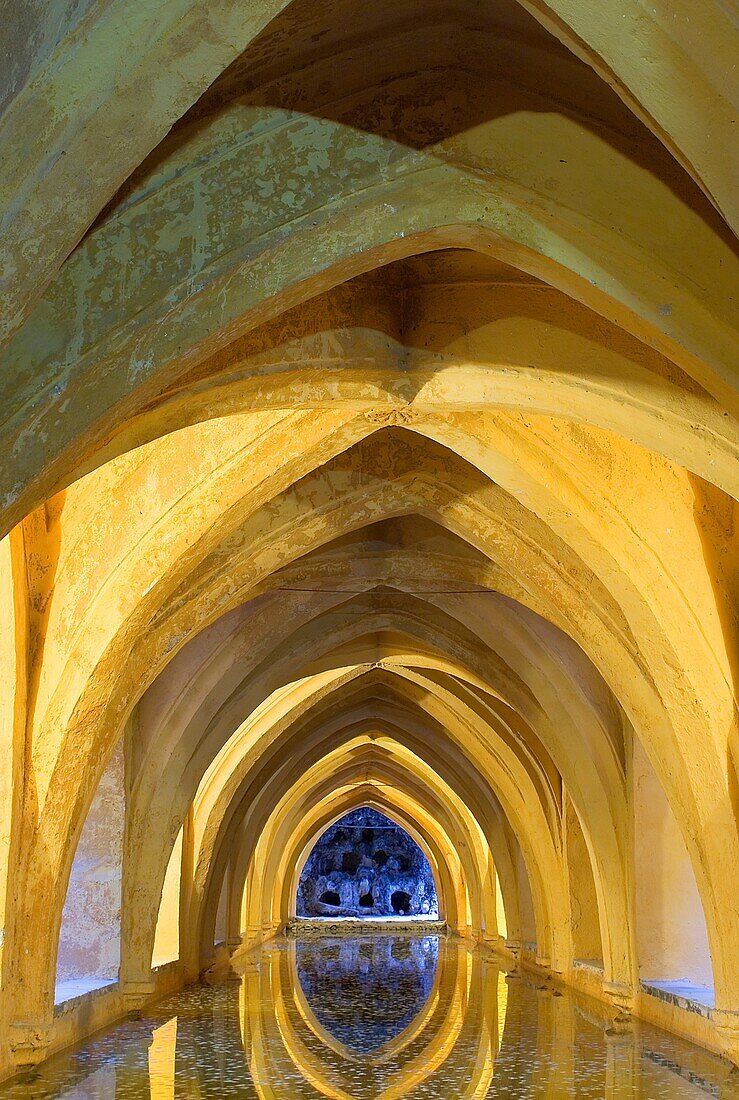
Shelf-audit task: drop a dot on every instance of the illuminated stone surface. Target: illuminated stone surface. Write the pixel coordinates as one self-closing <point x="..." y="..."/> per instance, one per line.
<point x="369" y="438"/>
<point x="366" y="866"/>
<point x="451" y="1024"/>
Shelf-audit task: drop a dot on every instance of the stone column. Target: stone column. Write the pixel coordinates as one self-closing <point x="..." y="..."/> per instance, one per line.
<point x="726" y="1022"/>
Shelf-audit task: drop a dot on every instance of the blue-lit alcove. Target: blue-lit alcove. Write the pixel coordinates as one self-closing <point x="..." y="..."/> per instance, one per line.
<point x="365" y="865"/>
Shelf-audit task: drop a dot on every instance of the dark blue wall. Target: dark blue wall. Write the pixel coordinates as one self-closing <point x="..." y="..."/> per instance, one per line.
<point x="363" y="866"/>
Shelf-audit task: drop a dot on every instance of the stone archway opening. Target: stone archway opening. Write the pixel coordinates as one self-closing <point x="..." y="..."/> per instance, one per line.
<point x="367" y="866"/>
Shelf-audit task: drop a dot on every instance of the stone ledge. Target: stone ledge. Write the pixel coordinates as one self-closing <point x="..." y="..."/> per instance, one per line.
<point x="685" y="995"/>
<point x="594" y="965"/>
<point x="353" y="926"/>
<point x="74" y="988"/>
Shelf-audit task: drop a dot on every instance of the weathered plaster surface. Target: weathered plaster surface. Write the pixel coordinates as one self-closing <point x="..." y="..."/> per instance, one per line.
<point x="167" y="936"/>
<point x="671" y="940"/>
<point x="369" y="438"/>
<point x="90" y="936"/>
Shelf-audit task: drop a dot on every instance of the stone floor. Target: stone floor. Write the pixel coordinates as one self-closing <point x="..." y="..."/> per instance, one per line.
<point x="371" y="1016"/>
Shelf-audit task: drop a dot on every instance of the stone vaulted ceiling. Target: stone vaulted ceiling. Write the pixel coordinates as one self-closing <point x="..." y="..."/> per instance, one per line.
<point x="369" y="437"/>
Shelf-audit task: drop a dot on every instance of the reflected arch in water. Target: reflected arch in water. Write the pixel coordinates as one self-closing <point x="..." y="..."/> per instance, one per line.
<point x="311" y="1007"/>
<point x="451" y="1044"/>
<point x="478" y="1034"/>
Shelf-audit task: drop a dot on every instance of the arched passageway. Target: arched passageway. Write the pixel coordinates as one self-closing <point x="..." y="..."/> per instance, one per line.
<point x="365" y="448"/>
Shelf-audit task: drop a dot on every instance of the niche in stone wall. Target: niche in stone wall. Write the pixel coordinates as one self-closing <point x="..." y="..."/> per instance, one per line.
<point x="365" y="865"/>
<point x="671" y="934"/>
<point x="167" y="936"/>
<point x="90" y="937"/>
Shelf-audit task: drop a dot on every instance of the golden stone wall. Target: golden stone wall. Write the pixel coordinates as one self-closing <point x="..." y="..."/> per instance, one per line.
<point x="370" y="438"/>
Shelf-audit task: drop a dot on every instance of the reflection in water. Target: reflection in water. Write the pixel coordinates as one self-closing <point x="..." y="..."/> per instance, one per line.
<point x="383" y="1016"/>
<point x="388" y="979"/>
